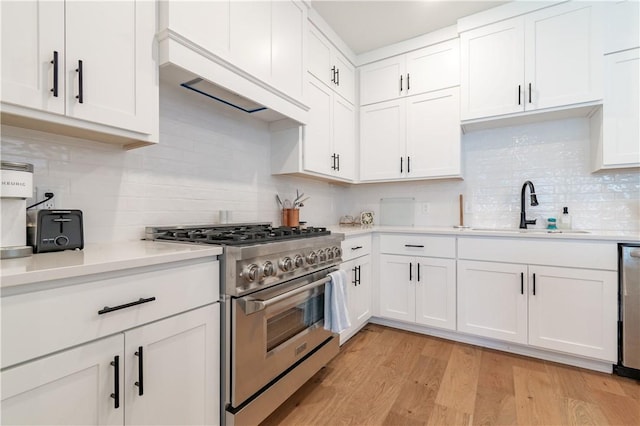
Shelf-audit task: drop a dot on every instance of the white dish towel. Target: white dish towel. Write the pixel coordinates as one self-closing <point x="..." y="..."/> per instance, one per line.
<point x="336" y="315"/>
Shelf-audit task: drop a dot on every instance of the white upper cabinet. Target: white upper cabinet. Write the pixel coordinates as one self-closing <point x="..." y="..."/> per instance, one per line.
<point x="82" y="65"/>
<point x="287" y="46"/>
<point x="621" y="25"/>
<point x="549" y="58"/>
<point x="616" y="129"/>
<point x="329" y="66"/>
<point x="423" y="70"/>
<point x="417" y="137"/>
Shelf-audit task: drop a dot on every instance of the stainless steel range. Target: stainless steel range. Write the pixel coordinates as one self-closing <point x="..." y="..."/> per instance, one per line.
<point x="272" y="281"/>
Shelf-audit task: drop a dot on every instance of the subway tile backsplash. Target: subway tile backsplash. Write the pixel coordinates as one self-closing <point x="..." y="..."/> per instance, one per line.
<point x="211" y="158"/>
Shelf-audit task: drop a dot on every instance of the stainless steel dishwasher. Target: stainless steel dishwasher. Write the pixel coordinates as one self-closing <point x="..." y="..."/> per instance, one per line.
<point x="629" y="322"/>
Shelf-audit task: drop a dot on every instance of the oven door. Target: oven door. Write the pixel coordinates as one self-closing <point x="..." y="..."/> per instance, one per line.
<point x="273" y="329"/>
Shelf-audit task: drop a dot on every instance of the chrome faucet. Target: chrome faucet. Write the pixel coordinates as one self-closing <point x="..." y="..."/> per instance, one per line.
<point x="534" y="202"/>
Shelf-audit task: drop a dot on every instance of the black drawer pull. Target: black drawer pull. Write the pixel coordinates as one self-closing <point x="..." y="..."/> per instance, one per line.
<point x="534" y="284"/>
<point x="356" y="248"/>
<point x="55" y="73"/>
<point x="414" y="245"/>
<point x="116" y="381"/>
<point x="140" y="382"/>
<point x="410" y="273"/>
<point x="80" y="95"/>
<point x="418" y="263"/>
<point x="521" y="282"/>
<point x="140" y="301"/>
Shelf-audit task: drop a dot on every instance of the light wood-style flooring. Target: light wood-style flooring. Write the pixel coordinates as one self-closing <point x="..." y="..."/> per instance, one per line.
<point x="385" y="376"/>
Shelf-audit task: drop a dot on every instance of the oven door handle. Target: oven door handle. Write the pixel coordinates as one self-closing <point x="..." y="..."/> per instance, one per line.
<point x="251" y="305"/>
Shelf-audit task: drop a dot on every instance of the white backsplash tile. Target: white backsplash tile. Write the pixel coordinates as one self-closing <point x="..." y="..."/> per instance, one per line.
<point x="211" y="158"/>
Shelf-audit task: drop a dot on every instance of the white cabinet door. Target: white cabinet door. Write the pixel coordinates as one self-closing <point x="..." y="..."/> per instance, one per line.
<point x="433" y="134"/>
<point x="287" y="66"/>
<point x="492" y="64"/>
<point x="318" y="132"/>
<point x="621" y="110"/>
<point x="344" y="81"/>
<point x="109" y="40"/>
<point x="32" y="34"/>
<point x="380" y="81"/>
<point x="382" y="140"/>
<point x="71" y="387"/>
<point x="436" y="292"/>
<point x="433" y="68"/>
<point x="344" y="138"/>
<point x="574" y="311"/>
<point x="180" y="370"/>
<point x="563" y="61"/>
<point x="250" y="36"/>
<point x="492" y="300"/>
<point x="319" y="56"/>
<point x="621" y="25"/>
<point x="361" y="300"/>
<point x="397" y="291"/>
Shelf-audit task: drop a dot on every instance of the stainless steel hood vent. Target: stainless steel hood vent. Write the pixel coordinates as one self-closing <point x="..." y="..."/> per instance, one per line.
<point x="219" y="94"/>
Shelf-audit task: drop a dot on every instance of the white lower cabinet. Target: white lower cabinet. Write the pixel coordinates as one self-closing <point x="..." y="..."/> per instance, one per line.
<point x="357" y="265"/>
<point x="418" y="289"/>
<point x="570" y="310"/>
<point x="165" y="372"/>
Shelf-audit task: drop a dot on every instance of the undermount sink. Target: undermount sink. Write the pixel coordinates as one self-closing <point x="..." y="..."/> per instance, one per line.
<point x="530" y="231"/>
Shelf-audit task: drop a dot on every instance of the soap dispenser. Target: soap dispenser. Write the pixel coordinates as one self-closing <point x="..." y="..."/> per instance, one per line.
<point x="565" y="219"/>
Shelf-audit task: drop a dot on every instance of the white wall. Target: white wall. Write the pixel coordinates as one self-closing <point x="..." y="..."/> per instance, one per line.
<point x="554" y="155"/>
<point x="209" y="158"/>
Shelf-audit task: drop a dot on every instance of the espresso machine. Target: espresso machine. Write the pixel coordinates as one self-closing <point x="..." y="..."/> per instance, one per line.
<point x="17" y="186"/>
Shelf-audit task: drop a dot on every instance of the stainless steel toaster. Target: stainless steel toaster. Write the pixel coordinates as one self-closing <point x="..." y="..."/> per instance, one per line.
<point x="54" y="230"/>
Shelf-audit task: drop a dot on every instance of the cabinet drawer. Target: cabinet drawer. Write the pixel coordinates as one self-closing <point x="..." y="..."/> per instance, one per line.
<point x="418" y="245"/>
<point x="41" y="322"/>
<point x="353" y="247"/>
<point x="569" y="254"/>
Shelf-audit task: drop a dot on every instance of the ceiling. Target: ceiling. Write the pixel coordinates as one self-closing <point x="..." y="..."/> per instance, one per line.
<point x="366" y="25"/>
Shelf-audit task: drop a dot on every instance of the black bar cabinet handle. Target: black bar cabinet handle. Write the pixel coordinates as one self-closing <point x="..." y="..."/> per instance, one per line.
<point x="408" y="164"/>
<point x="410" y="271"/>
<point x="356" y="248"/>
<point x="414" y="245"/>
<point x="140" y="301"/>
<point x="337" y="76"/>
<point x="529" y="92"/>
<point x="80" y="96"/>
<point x="355" y="276"/>
<point x="55" y="73"/>
<point x="521" y="282"/>
<point x="116" y="381"/>
<point x="333" y="74"/>
<point x="359" y="274"/>
<point x="140" y="382"/>
<point x="408" y="82"/>
<point x="401" y="160"/>
<point x="338" y="157"/>
<point x="400" y="84"/>
<point x="418" y="263"/>
<point x="333" y="161"/>
<point x="519" y="94"/>
<point x="534" y="284"/>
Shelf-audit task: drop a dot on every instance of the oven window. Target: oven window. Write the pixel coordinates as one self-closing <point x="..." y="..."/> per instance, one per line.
<point x="286" y="324"/>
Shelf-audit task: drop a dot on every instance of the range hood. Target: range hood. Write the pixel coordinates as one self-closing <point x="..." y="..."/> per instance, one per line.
<point x="220" y="81"/>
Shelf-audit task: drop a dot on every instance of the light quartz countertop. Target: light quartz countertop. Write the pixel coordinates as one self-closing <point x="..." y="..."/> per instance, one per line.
<point x="97" y="258"/>
<point x="617" y="236"/>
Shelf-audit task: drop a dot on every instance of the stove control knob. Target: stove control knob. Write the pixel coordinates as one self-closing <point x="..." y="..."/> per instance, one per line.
<point x="322" y="256"/>
<point x="329" y="253"/>
<point x="251" y="273"/>
<point x="286" y="264"/>
<point x="337" y="252"/>
<point x="269" y="269"/>
<point x="298" y="261"/>
<point x="312" y="258"/>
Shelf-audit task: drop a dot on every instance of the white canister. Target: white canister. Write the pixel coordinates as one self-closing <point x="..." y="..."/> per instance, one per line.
<point x="17" y="186"/>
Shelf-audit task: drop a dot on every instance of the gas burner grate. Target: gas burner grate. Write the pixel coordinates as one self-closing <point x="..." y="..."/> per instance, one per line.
<point x="240" y="235"/>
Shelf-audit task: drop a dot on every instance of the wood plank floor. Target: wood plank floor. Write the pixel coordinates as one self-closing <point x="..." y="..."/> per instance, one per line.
<point x="385" y="376"/>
